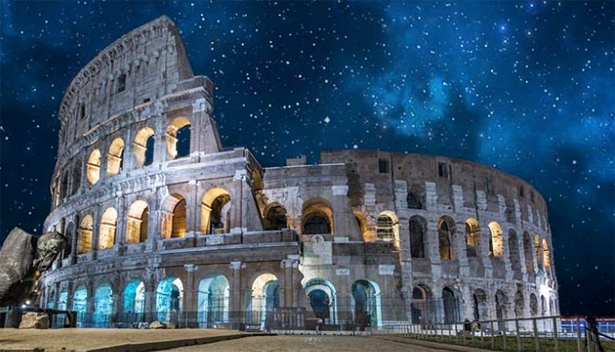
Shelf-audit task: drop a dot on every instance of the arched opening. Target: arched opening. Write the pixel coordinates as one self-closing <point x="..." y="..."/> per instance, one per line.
<point x="527" y="252"/>
<point x="134" y="301"/>
<point x="51" y="299"/>
<point x="103" y="306"/>
<point x="317" y="217"/>
<point x="275" y="218"/>
<point x="213" y="301"/>
<point x="265" y="298"/>
<point x="533" y="305"/>
<point x="64" y="186"/>
<point x="115" y="158"/>
<point x="366" y="303"/>
<point x="417" y="228"/>
<point x="80" y="304"/>
<point x="472" y="237"/>
<point x="450" y="303"/>
<point x="420" y="307"/>
<point x="362" y="225"/>
<point x="62" y="300"/>
<point x="173" y="217"/>
<point x="76" y="176"/>
<point x="501" y="302"/>
<point x="144" y="147"/>
<point x="539" y="252"/>
<point x="445" y="237"/>
<point x="519" y="305"/>
<point x="546" y="254"/>
<point x="215" y="211"/>
<point x="178" y="138"/>
<point x="84" y="241"/>
<point x="416" y="197"/>
<point x="69" y="233"/>
<point x="543" y="306"/>
<point x="513" y="250"/>
<point x="93" y="167"/>
<point x="323" y="299"/>
<point x="137" y="222"/>
<point x="481" y="310"/>
<point x="169" y="298"/>
<point x="497" y="240"/>
<point x="108" y="223"/>
<point x="387" y="228"/>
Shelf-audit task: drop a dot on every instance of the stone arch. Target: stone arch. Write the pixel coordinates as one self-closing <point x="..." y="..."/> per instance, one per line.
<point x="446" y="231"/>
<point x="275" y="217"/>
<point x="80" y="304"/>
<point x="137" y="222"/>
<point x="473" y="234"/>
<point x="265" y="297"/>
<point x="418" y="228"/>
<point x="497" y="240"/>
<point x="480" y="305"/>
<point x="84" y="241"/>
<point x="421" y="309"/>
<point x="76" y="182"/>
<point x="528" y="253"/>
<point x="103" y="305"/>
<point x="144" y="147"/>
<point x="215" y="211"/>
<point x="69" y="234"/>
<point x="64" y="186"/>
<point x="366" y="302"/>
<point x="134" y="301"/>
<point x="322" y="297"/>
<point x="169" y="299"/>
<point x="513" y="251"/>
<point x="543" y="305"/>
<point x="361" y="220"/>
<point x="501" y="302"/>
<point x="519" y="305"/>
<point x="387" y="228"/>
<point x="416" y="197"/>
<point x="533" y="305"/>
<point x="213" y="301"/>
<point x="108" y="224"/>
<point x="317" y="217"/>
<point x="546" y="254"/>
<point x="539" y="252"/>
<point x="173" y="216"/>
<point x="93" y="167"/>
<point x="115" y="157"/>
<point x="178" y="138"/>
<point x="451" y="305"/>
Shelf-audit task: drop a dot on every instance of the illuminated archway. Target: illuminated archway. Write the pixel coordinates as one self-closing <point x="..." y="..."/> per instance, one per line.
<point x="169" y="298"/>
<point x="84" y="241"/>
<point x="178" y="138"/>
<point x="137" y="222"/>
<point x="539" y="252"/>
<point x="134" y="301"/>
<point x="322" y="297"/>
<point x="213" y="301"/>
<point x="115" y="158"/>
<point x="497" y="239"/>
<point x="387" y="228"/>
<point x="317" y="217"/>
<point x="215" y="211"/>
<point x="546" y="254"/>
<point x="472" y="237"/>
<point x="93" y="167"/>
<point x="446" y="230"/>
<point x="144" y="147"/>
<point x="265" y="297"/>
<point x="173" y="216"/>
<point x="366" y="303"/>
<point x="108" y="223"/>
<point x="103" y="306"/>
<point x="80" y="304"/>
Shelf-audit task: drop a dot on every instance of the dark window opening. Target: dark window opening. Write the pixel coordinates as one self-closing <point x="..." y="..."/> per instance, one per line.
<point x="443" y="170"/>
<point x="317" y="224"/>
<point x="121" y="83"/>
<point x="532" y="196"/>
<point x="146" y="100"/>
<point x="82" y="111"/>
<point x="521" y="192"/>
<point x="149" y="151"/>
<point x="383" y="166"/>
<point x="183" y="142"/>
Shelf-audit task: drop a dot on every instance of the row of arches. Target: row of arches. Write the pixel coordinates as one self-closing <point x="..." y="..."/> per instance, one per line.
<point x="177" y="139"/>
<point x="538" y="248"/>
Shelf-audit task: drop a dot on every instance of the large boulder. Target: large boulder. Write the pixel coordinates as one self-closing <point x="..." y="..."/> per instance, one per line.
<point x="16" y="263"/>
<point x="32" y="320"/>
<point x="157" y="325"/>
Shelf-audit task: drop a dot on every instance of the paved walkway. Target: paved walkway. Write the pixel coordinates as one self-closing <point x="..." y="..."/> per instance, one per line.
<point x="85" y="339"/>
<point x="307" y="343"/>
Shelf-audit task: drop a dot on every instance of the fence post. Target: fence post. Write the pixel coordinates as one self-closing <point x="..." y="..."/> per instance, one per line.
<point x="492" y="335"/>
<point x="518" y="337"/>
<point x="537" y="344"/>
<point x="555" y="337"/>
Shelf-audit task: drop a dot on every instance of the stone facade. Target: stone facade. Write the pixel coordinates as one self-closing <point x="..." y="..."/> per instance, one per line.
<point x="166" y="224"/>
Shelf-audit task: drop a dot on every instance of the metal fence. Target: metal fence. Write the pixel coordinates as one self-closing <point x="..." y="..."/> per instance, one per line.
<point x="519" y="335"/>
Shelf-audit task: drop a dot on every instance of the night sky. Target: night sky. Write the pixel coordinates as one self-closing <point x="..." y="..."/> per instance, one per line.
<point x="526" y="87"/>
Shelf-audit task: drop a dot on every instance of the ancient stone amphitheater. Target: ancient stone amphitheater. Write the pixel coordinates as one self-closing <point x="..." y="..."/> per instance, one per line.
<point x="164" y="223"/>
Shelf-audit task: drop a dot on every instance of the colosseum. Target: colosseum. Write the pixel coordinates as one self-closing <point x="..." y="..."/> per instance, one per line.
<point x="164" y="223"/>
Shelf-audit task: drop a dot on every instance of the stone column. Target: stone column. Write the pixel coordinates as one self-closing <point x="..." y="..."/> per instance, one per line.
<point x="190" y="307"/>
<point x="150" y="300"/>
<point x="236" y="291"/>
<point x="88" y="319"/>
<point x="462" y="249"/>
<point x="433" y="248"/>
<point x="153" y="226"/>
<point x="405" y="256"/>
<point x="75" y="239"/>
<point x="128" y="164"/>
<point x="120" y="228"/>
<point x="96" y="216"/>
<point x="344" y="223"/>
<point x="237" y="211"/>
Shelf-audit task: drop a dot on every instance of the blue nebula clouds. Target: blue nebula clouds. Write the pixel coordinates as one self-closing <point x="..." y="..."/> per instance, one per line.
<point x="526" y="87"/>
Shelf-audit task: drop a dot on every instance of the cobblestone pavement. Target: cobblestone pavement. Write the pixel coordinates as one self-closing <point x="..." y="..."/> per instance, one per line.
<point x="306" y="343"/>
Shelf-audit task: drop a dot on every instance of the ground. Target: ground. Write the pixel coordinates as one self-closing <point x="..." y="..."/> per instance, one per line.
<point x="306" y="343"/>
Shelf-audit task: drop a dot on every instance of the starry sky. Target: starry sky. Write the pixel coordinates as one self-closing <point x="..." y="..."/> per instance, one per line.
<point x="526" y="87"/>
